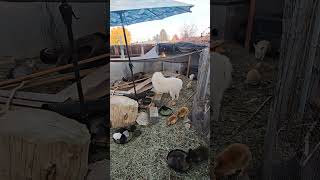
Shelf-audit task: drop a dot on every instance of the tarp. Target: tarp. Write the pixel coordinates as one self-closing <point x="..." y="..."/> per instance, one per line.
<point x="144" y="10"/>
<point x="179" y="48"/>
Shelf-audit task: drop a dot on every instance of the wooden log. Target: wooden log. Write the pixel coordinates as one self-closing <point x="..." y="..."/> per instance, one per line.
<point x="124" y="111"/>
<point x="42" y="145"/>
<point x="51" y="70"/>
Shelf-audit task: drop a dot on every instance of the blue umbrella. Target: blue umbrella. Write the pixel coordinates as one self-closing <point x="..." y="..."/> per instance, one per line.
<point x="127" y="12"/>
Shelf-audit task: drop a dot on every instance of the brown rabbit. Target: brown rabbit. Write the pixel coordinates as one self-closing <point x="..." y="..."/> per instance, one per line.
<point x="253" y="77"/>
<point x="235" y="157"/>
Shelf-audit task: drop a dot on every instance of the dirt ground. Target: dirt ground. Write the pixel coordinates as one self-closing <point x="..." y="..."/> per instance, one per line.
<point x="240" y="102"/>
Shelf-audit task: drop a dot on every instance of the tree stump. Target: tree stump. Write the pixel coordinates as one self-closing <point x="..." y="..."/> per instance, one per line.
<point x="124" y="111"/>
<point x="42" y="145"/>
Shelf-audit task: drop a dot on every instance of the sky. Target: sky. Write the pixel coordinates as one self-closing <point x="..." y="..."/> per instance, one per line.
<point x="200" y="17"/>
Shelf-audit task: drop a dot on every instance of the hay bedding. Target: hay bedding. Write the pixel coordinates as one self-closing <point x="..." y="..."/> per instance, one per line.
<point x="239" y="102"/>
<point x="145" y="156"/>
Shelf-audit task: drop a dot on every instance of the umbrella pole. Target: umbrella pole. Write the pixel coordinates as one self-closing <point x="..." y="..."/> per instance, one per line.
<point x="67" y="13"/>
<point x="127" y="49"/>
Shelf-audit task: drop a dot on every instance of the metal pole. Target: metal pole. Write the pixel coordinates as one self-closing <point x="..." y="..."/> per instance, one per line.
<point x="127" y="49"/>
<point x="67" y="13"/>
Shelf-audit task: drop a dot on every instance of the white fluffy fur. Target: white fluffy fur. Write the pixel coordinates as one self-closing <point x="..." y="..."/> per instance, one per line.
<point x="261" y="49"/>
<point x="221" y="79"/>
<point x="169" y="85"/>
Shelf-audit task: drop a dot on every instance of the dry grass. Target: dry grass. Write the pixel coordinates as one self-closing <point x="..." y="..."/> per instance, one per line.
<point x="145" y="156"/>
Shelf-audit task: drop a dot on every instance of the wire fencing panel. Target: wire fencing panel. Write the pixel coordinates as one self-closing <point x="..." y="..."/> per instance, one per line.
<point x="293" y="133"/>
<point x="201" y="102"/>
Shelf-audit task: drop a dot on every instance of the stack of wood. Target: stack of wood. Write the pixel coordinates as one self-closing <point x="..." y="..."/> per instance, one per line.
<point x="94" y="83"/>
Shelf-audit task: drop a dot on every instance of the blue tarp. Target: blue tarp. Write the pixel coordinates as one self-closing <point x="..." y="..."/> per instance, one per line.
<point x="179" y="48"/>
<point x="144" y="10"/>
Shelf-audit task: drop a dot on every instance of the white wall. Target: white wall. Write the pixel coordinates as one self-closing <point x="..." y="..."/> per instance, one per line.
<point x="25" y="28"/>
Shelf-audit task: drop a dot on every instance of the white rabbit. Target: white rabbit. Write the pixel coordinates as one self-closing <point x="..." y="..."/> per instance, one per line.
<point x="261" y="49"/>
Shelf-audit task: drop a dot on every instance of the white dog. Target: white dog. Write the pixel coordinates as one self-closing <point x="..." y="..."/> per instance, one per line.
<point x="169" y="85"/>
<point x="261" y="49"/>
<point x="221" y="80"/>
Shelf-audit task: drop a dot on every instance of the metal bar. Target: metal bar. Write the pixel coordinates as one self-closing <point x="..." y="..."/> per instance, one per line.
<point x="166" y="59"/>
<point x="76" y="73"/>
<point x="67" y="15"/>
<point x="130" y="63"/>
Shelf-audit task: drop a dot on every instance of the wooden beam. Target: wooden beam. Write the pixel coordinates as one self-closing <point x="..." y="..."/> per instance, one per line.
<point x="51" y="70"/>
<point x="188" y="68"/>
<point x="250" y="23"/>
<point x="44" y="81"/>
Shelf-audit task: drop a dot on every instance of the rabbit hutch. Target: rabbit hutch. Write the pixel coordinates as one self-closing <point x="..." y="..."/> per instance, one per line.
<point x="147" y="126"/>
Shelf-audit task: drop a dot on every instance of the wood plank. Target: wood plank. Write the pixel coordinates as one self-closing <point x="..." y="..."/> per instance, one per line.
<point x="140" y="85"/>
<point x="145" y="88"/>
<point x="127" y="84"/>
<point x="51" y="70"/>
<point x="43" y="81"/>
<point x="119" y="92"/>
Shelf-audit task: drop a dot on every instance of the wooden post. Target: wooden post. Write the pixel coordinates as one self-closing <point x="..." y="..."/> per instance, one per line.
<point x="142" y="50"/>
<point x="250" y="23"/>
<point x="116" y="50"/>
<point x="296" y="78"/>
<point x="188" y="68"/>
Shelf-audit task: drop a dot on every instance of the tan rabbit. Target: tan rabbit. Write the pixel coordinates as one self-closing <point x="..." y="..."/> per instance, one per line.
<point x="263" y="67"/>
<point x="253" y="77"/>
<point x="235" y="157"/>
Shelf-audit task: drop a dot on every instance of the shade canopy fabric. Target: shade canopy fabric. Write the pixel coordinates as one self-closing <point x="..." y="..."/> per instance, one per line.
<point x="144" y="10"/>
